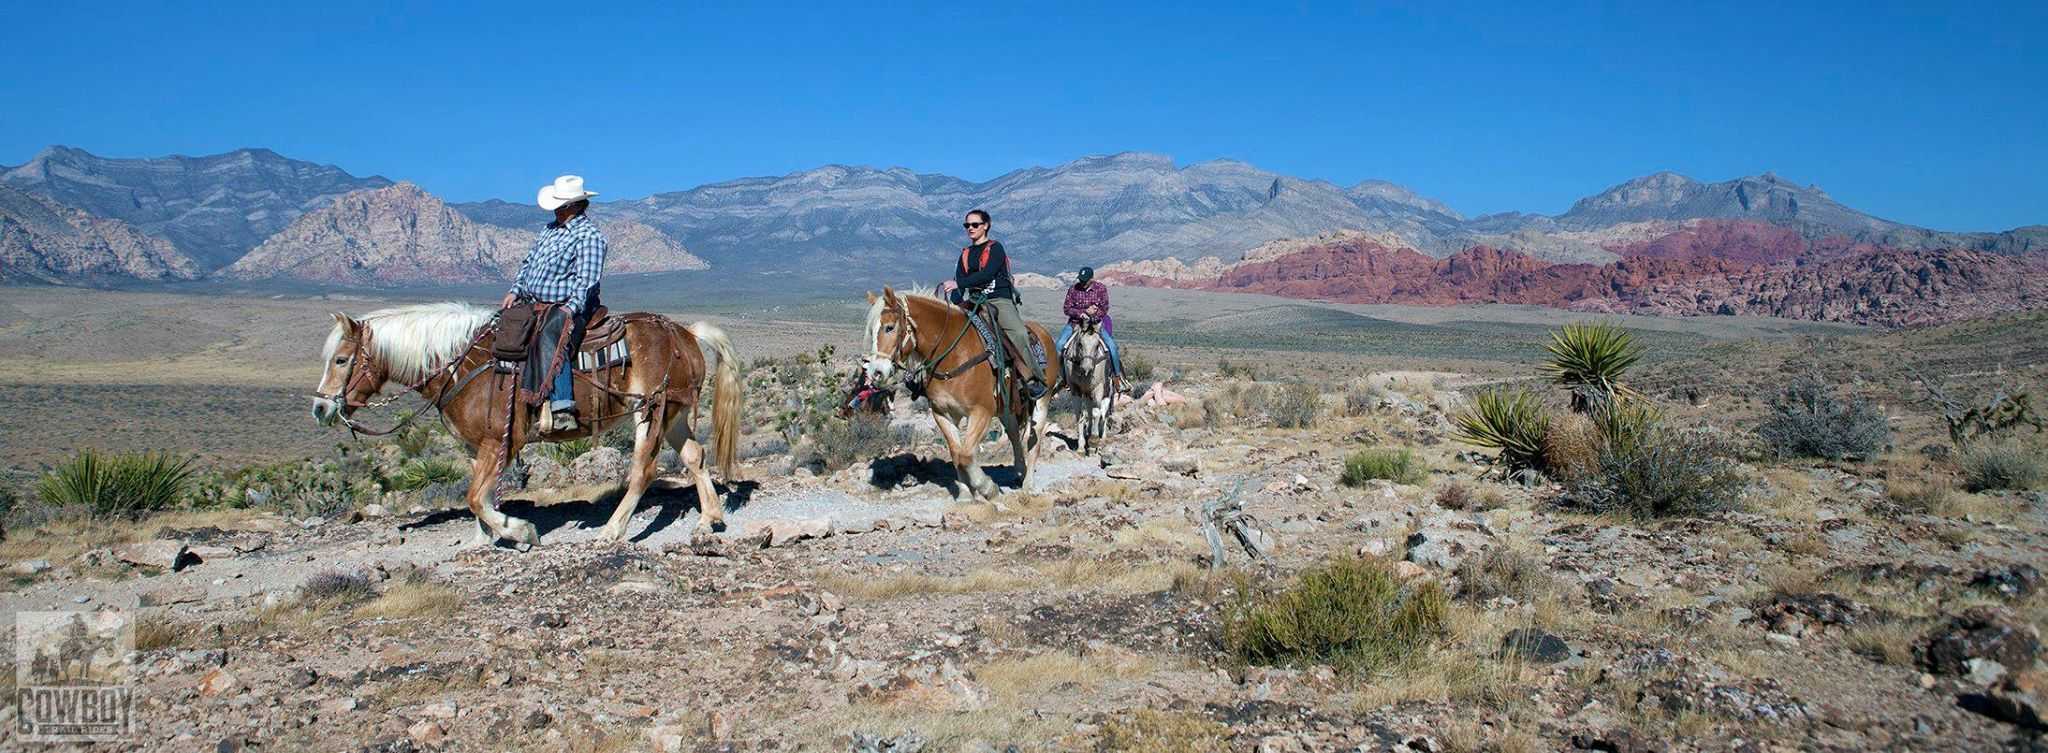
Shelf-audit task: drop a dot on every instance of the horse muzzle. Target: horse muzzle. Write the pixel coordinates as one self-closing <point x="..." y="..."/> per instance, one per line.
<point x="878" y="368"/>
<point x="328" y="411"/>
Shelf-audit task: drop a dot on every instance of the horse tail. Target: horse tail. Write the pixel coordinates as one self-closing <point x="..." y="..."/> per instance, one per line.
<point x="725" y="398"/>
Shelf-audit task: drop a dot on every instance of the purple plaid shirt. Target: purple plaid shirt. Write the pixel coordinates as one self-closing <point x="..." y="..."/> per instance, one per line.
<point x="564" y="264"/>
<point x="1079" y="299"/>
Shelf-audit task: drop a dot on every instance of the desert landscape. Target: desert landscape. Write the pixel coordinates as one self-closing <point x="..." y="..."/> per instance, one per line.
<point x="1502" y="378"/>
<point x="313" y="589"/>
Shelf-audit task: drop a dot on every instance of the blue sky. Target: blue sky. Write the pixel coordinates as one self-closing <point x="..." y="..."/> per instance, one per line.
<point x="1931" y="114"/>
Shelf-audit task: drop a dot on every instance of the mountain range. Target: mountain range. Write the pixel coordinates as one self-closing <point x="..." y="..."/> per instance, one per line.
<point x="69" y="216"/>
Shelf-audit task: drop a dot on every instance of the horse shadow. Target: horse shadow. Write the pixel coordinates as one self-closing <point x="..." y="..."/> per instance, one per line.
<point x="895" y="470"/>
<point x="670" y="499"/>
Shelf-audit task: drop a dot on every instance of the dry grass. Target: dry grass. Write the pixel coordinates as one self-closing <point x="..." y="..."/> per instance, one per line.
<point x="941" y="730"/>
<point x="66" y="538"/>
<point x="409" y="601"/>
<point x="1148" y="731"/>
<point x="1020" y="680"/>
<point x="1077" y="573"/>
<point x="1890" y="642"/>
<point x="154" y="631"/>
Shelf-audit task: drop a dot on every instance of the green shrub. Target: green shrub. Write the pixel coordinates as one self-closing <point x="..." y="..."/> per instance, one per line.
<point x="1664" y="472"/>
<point x="1360" y="400"/>
<point x="1501" y="571"/>
<point x="1350" y="613"/>
<point x="319" y="486"/>
<point x="2010" y="464"/>
<point x="1807" y="419"/>
<point x="1229" y="370"/>
<point x="1590" y="359"/>
<point x="118" y="486"/>
<point x="415" y="440"/>
<point x="1512" y="421"/>
<point x="1397" y="465"/>
<point x="420" y="473"/>
<point x="1295" y="406"/>
<point x="1137" y="368"/>
<point x="863" y="436"/>
<point x="334" y="587"/>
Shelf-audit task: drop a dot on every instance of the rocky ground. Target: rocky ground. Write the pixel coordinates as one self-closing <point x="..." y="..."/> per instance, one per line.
<point x="859" y="610"/>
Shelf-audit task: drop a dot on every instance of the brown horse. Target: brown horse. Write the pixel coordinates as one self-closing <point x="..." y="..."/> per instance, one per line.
<point x="438" y="350"/>
<point x="932" y="340"/>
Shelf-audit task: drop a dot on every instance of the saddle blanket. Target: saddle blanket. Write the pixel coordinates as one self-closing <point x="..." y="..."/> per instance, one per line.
<point x="615" y="354"/>
<point x="992" y="340"/>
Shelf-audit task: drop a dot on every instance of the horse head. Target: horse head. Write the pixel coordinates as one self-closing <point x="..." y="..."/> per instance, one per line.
<point x="349" y="374"/>
<point x="891" y="334"/>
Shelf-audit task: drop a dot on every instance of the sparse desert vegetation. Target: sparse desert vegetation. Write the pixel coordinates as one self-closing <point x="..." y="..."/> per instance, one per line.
<point x="1480" y="557"/>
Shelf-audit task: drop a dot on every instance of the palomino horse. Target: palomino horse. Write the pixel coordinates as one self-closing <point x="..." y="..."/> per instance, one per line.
<point x="1087" y="368"/>
<point x="437" y="350"/>
<point x="932" y="340"/>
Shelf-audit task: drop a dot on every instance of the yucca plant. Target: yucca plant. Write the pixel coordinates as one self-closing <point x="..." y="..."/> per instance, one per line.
<point x="420" y="473"/>
<point x="111" y="486"/>
<point x="1512" y="421"/>
<point x="1590" y="358"/>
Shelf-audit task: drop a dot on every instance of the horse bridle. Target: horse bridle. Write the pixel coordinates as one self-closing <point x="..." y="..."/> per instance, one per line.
<point x="358" y="353"/>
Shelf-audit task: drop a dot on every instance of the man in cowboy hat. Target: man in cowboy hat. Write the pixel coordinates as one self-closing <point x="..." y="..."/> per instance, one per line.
<point x="563" y="268"/>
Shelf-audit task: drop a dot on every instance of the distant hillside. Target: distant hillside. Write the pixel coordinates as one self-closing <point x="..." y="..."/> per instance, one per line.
<point x="43" y="241"/>
<point x="214" y="208"/>
<point x="402" y="234"/>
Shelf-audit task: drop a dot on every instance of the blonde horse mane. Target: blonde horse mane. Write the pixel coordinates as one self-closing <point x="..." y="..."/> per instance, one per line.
<point x="413" y="341"/>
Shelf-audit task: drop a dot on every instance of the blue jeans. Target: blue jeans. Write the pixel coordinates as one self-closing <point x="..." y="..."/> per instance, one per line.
<point x="1116" y="363"/>
<point x="564" y="394"/>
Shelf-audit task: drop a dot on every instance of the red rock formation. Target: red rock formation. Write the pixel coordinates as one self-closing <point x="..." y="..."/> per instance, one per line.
<point x="1723" y="267"/>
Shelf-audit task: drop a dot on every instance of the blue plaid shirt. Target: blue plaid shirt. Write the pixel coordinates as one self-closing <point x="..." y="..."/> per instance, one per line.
<point x="564" y="264"/>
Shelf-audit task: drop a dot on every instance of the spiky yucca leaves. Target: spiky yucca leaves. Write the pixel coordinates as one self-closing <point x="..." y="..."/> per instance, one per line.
<point x="1512" y="421"/>
<point x="1590" y="358"/>
<point x="118" y="486"/>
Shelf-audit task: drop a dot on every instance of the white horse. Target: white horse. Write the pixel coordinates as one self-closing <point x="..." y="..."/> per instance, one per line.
<point x="1087" y="371"/>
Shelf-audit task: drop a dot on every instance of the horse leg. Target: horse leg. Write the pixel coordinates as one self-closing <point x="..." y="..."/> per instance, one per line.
<point x="638" y="475"/>
<point x="483" y="488"/>
<point x="1041" y="415"/>
<point x="963" y="456"/>
<point x="962" y="492"/>
<point x="710" y="506"/>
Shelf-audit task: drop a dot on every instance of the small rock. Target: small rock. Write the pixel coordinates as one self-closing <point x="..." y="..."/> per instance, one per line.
<point x="550" y="620"/>
<point x="339" y="705"/>
<point x="301" y="678"/>
<point x="1406" y="570"/>
<point x="427" y="732"/>
<point x="439" y="710"/>
<point x="219" y="682"/>
<point x="187" y="593"/>
<point x="1984" y="671"/>
<point x="1535" y="645"/>
<point x="536" y="719"/>
<point x="313" y="522"/>
<point x="374" y="510"/>
<point x="2010" y="581"/>
<point x="29" y="567"/>
<point x="1376" y="548"/>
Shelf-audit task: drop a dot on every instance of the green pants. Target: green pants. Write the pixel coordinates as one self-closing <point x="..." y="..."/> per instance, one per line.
<point x="1012" y="324"/>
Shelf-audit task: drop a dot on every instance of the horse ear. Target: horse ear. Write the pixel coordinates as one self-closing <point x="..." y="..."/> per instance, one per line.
<point x="347" y="324"/>
<point x="871" y="298"/>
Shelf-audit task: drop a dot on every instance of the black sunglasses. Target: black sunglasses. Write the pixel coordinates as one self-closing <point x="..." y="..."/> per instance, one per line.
<point x="973" y="225"/>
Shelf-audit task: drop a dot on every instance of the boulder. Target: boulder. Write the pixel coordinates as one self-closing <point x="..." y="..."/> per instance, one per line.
<point x="163" y="554"/>
<point x="1442" y="548"/>
<point x="542" y="472"/>
<point x="2017" y="700"/>
<point x="599" y="467"/>
<point x="1978" y="633"/>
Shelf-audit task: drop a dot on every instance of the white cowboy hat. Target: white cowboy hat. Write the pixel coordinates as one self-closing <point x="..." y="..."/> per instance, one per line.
<point x="565" y="189"/>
